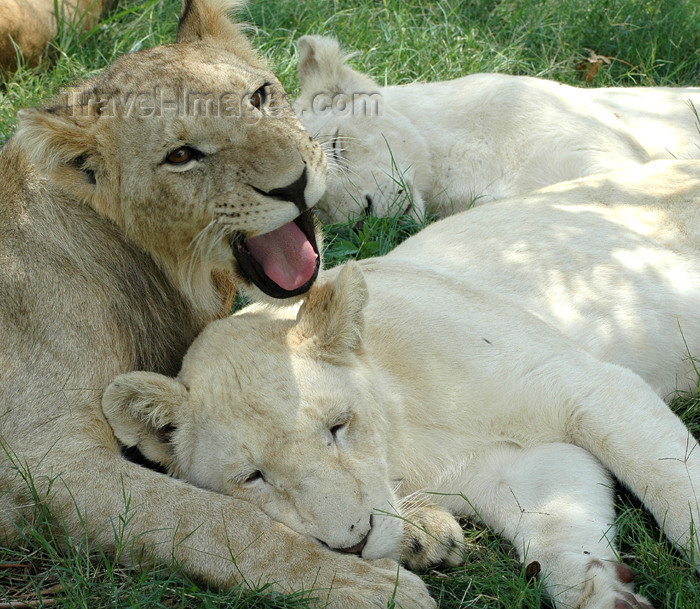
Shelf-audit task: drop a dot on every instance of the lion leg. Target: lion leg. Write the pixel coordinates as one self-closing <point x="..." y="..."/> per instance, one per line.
<point x="143" y="517"/>
<point x="554" y="503"/>
<point x="431" y="536"/>
<point x="635" y="435"/>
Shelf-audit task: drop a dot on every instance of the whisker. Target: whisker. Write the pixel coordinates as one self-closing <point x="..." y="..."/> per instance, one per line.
<point x="197" y="246"/>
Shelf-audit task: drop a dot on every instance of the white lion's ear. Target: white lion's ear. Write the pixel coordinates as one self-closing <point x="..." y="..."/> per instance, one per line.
<point x="323" y="69"/>
<point x="141" y="407"/>
<point x="208" y="21"/>
<point x="60" y="142"/>
<point x="333" y="314"/>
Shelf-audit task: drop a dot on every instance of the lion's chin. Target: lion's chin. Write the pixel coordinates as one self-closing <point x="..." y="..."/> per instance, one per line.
<point x="282" y="263"/>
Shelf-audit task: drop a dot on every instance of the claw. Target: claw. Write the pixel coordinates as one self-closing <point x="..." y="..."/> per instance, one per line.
<point x="624" y="573"/>
<point x="532" y="570"/>
<point x="631" y="602"/>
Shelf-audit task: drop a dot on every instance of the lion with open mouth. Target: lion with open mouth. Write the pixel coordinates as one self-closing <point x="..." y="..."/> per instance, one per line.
<point x="130" y="206"/>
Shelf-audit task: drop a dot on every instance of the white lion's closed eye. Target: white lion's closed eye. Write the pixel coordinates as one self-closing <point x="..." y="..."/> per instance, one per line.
<point x="338" y="429"/>
<point x="248" y="478"/>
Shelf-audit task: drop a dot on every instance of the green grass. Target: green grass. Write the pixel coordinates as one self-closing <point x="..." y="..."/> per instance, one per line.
<point x="649" y="42"/>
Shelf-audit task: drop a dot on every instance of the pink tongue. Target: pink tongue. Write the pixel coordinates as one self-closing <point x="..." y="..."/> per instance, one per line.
<point x="285" y="254"/>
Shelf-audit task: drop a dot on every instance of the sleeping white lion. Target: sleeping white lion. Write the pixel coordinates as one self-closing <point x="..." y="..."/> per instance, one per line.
<point x="443" y="146"/>
<point x="499" y="364"/>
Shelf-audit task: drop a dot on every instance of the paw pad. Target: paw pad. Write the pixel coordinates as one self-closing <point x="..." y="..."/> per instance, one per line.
<point x="432" y="537"/>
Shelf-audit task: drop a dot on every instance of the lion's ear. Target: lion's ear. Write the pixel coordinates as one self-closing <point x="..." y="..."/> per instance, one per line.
<point x="141" y="407"/>
<point x="333" y="314"/>
<point x="208" y="21"/>
<point x="323" y="68"/>
<point x="60" y="142"/>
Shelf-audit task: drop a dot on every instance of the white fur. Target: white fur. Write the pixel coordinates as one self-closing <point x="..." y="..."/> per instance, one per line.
<point x="470" y="140"/>
<point x="497" y="364"/>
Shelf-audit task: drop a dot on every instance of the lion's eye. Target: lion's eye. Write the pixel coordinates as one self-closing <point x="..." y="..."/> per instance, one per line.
<point x="258" y="99"/>
<point x="183" y="155"/>
<point x="339" y="427"/>
<point x="254" y="477"/>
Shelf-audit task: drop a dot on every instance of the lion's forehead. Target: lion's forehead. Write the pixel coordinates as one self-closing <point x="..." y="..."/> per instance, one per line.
<point x="245" y="433"/>
<point x="244" y="390"/>
<point x="252" y="394"/>
<point x="197" y="58"/>
<point x="250" y="368"/>
<point x="203" y="66"/>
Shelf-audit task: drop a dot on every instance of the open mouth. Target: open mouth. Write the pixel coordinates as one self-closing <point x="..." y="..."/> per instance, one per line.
<point x="282" y="263"/>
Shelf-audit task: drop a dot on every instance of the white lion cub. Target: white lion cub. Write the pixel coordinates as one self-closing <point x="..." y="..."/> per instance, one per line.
<point x="499" y="363"/>
<point x="476" y="138"/>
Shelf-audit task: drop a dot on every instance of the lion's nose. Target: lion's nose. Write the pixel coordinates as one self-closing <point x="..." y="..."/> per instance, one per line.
<point x="357" y="548"/>
<point x="294" y="192"/>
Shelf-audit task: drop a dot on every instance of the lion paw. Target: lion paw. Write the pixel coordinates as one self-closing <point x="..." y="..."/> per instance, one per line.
<point x="431" y="537"/>
<point x="601" y="584"/>
<point x="373" y="584"/>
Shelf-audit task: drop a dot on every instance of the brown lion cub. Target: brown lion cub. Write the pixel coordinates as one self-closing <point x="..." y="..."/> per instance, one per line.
<point x="119" y="203"/>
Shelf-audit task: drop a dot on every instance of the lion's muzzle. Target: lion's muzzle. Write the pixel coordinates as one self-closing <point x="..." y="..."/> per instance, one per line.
<point x="356" y="549"/>
<point x="284" y="262"/>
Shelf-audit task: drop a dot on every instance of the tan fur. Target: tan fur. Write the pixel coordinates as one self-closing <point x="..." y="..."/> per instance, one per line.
<point x="27" y="26"/>
<point x="113" y="258"/>
<point x="497" y="365"/>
